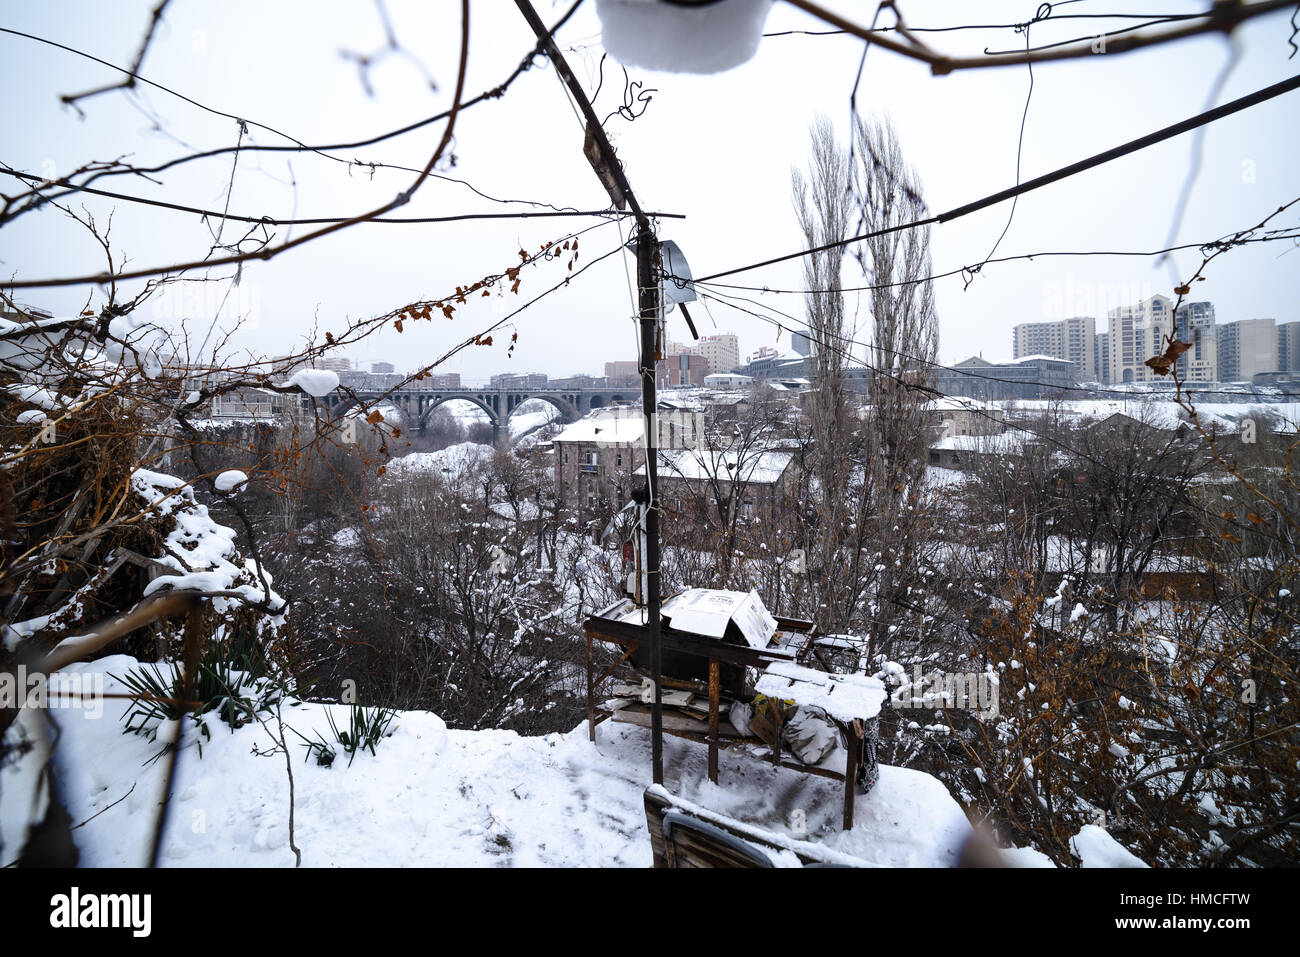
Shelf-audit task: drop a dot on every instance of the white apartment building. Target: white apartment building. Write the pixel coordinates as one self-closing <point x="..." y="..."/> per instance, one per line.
<point x="1288" y="347"/>
<point x="722" y="352"/>
<point x="1136" y="334"/>
<point x="1073" y="339"/>
<point x="1195" y="324"/>
<point x="1247" y="348"/>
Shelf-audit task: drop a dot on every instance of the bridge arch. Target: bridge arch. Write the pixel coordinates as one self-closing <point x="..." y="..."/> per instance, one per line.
<point x="437" y="399"/>
<point x="568" y="410"/>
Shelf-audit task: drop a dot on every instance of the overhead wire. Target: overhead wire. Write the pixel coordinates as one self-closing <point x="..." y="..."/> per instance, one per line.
<point x="1064" y="172"/>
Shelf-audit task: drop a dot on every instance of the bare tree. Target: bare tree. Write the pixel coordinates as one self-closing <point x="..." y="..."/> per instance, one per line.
<point x="904" y="342"/>
<point x="822" y="207"/>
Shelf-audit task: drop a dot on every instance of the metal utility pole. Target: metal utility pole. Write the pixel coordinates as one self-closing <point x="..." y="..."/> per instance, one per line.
<point x="600" y="154"/>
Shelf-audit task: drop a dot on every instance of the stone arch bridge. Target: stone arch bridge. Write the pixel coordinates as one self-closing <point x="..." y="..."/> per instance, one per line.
<point x="417" y="405"/>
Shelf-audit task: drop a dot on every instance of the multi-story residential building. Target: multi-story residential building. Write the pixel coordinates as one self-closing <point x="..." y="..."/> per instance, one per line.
<point x="334" y="364"/>
<point x="1101" y="357"/>
<point x="1247" y="348"/>
<point x="958" y="415"/>
<point x="370" y="381"/>
<point x="681" y="368"/>
<point x="1194" y="323"/>
<point x="622" y="371"/>
<point x="1136" y="334"/>
<point x="250" y="402"/>
<point x="1073" y="339"/>
<point x="382" y="368"/>
<point x="1288" y="347"/>
<point x="518" y="380"/>
<point x="721" y="352"/>
<point x="595" y="459"/>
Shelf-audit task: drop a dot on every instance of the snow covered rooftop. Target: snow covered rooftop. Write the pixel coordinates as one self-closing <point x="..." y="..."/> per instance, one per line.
<point x="622" y="426"/>
<point x="1006" y="443"/>
<point x="1167" y="414"/>
<point x="762" y="468"/>
<point x="1039" y="358"/>
<point x="957" y="403"/>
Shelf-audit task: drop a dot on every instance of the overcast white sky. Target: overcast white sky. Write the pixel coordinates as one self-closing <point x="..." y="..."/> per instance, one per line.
<point x="718" y="149"/>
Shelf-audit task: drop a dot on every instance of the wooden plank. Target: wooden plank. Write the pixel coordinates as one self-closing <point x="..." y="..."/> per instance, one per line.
<point x="672" y="721"/>
<point x="686" y="850"/>
<point x="715" y="682"/>
<point x="591" y="691"/>
<point x="850" y="774"/>
<point x="631" y="650"/>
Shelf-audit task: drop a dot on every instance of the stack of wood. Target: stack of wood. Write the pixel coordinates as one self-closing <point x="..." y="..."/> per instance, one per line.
<point x="685" y="707"/>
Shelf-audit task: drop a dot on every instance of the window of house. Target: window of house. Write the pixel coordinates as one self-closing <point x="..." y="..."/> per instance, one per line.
<point x="747" y="509"/>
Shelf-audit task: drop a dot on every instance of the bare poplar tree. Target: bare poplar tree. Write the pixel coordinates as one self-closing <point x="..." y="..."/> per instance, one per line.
<point x="822" y="203"/>
<point x="903" y="347"/>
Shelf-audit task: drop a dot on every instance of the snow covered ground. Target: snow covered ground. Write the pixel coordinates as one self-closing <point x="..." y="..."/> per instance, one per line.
<point x="432" y="796"/>
<point x="532" y="415"/>
<point x="454" y="458"/>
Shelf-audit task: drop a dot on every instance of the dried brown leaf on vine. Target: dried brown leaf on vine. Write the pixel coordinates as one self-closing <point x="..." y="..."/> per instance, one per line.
<point x="1163" y="364"/>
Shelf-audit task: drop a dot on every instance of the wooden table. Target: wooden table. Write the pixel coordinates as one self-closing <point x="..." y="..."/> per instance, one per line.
<point x="785" y="678"/>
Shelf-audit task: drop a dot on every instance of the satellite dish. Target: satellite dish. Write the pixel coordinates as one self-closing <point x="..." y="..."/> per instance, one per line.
<point x="677" y="276"/>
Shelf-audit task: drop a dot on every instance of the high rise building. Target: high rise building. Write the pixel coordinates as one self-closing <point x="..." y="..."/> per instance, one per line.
<point x="382" y="368"/>
<point x="1194" y="323"/>
<point x="1288" y="347"/>
<point x="1247" y="348"/>
<point x="1073" y="339"/>
<point x="335" y="364"/>
<point x="1136" y="334"/>
<point x="721" y="352"/>
<point x="1101" y="357"/>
